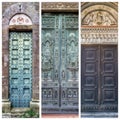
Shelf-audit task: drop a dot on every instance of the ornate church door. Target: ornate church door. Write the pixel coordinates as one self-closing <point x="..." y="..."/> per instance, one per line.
<point x="59" y="63"/>
<point x="20" y="68"/>
<point x="99" y="82"/>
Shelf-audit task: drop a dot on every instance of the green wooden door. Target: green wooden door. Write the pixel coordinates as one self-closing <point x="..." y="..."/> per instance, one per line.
<point x="20" y="68"/>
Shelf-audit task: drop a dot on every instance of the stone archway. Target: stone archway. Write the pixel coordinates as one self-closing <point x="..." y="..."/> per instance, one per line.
<point x="10" y="11"/>
<point x="99" y="39"/>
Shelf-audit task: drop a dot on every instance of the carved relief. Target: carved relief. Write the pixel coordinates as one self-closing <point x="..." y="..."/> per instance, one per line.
<point x="72" y="47"/>
<point x="48" y="22"/>
<point x="47" y="62"/>
<point x="99" y="18"/>
<point x="20" y="19"/>
<point x="59" y="60"/>
<point x="91" y="35"/>
<point x="72" y="56"/>
<point x="59" y="5"/>
<point x="71" y="22"/>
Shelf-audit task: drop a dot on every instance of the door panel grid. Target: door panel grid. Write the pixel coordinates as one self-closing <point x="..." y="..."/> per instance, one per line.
<point x="20" y="68"/>
<point x="99" y="78"/>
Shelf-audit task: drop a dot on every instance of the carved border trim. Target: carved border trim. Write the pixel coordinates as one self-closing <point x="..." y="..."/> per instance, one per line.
<point x="60" y="6"/>
<point x="94" y="108"/>
<point x="99" y="35"/>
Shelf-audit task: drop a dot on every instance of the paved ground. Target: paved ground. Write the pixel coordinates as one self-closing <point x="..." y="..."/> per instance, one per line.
<point x="6" y="115"/>
<point x="100" y="115"/>
<point x="83" y="115"/>
<point x="59" y="115"/>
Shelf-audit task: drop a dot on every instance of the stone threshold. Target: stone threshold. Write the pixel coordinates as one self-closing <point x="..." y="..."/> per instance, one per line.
<point x="99" y="115"/>
<point x="19" y="110"/>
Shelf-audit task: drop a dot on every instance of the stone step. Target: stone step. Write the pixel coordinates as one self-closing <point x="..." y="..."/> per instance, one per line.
<point x="23" y="113"/>
<point x="19" y="110"/>
<point x="6" y="115"/>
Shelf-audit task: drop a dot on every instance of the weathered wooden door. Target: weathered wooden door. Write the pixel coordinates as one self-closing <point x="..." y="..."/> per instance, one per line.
<point x="20" y="68"/>
<point x="59" y="63"/>
<point x="99" y="83"/>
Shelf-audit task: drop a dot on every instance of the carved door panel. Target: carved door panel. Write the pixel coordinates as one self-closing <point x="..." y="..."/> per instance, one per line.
<point x="109" y="77"/>
<point x="99" y="78"/>
<point x="59" y="63"/>
<point x="20" y="68"/>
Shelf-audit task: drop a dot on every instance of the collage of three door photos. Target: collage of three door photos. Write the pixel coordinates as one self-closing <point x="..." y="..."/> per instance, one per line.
<point x="73" y="58"/>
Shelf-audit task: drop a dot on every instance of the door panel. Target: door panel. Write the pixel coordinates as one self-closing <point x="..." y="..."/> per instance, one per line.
<point x="89" y="74"/>
<point x="99" y="78"/>
<point x="109" y="74"/>
<point x="20" y="68"/>
<point x="59" y="62"/>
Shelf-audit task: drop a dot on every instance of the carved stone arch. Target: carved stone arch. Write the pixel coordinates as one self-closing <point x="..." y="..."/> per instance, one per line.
<point x="113" y="5"/>
<point x="99" y="21"/>
<point x="91" y="8"/>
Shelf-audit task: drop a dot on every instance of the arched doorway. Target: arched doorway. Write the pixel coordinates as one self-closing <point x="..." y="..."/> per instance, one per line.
<point x="20" y="40"/>
<point x="99" y="57"/>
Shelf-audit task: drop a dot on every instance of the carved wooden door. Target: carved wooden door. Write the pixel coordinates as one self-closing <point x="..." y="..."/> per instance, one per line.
<point x="99" y="78"/>
<point x="59" y="63"/>
<point x="20" y="68"/>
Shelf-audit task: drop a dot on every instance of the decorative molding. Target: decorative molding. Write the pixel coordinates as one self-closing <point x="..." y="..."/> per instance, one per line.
<point x="98" y="108"/>
<point x="20" y="19"/>
<point x="60" y="6"/>
<point x="99" y="35"/>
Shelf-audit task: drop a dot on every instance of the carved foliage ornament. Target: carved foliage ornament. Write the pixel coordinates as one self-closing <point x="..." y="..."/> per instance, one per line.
<point x="99" y="18"/>
<point x="99" y="35"/>
<point x="59" y="5"/>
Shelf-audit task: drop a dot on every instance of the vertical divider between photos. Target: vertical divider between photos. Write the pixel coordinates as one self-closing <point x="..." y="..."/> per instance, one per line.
<point x="79" y="46"/>
<point x="118" y="60"/>
<point x="1" y="60"/>
<point x="40" y="54"/>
